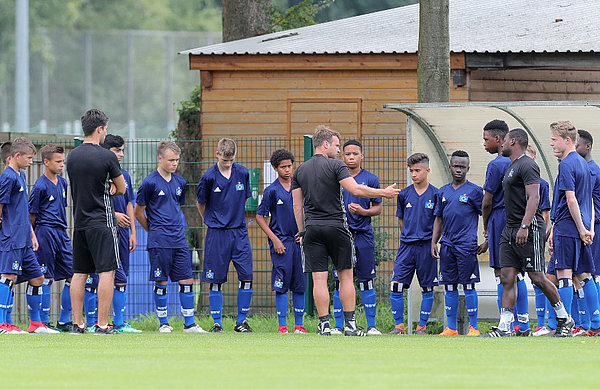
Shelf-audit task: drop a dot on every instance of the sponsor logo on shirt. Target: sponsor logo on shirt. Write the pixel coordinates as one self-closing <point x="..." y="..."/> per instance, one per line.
<point x="239" y="186"/>
<point x="157" y="272"/>
<point x="279" y="284"/>
<point x="429" y="204"/>
<point x="409" y="205"/>
<point x="161" y="193"/>
<point x="51" y="198"/>
<point x="279" y="202"/>
<point x="217" y="190"/>
<point x="464" y="198"/>
<point x="210" y="275"/>
<point x="178" y="191"/>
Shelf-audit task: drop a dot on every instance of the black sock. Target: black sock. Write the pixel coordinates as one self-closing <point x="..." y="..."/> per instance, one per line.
<point x="324" y="319"/>
<point x="349" y="319"/>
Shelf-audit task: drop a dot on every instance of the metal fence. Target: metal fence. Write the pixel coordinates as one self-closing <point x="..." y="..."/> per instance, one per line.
<point x="384" y="156"/>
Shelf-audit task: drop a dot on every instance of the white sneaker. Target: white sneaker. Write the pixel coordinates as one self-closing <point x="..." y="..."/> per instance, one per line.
<point x="544" y="331"/>
<point x="45" y="330"/>
<point x="194" y="328"/>
<point x="165" y="328"/>
<point x="373" y="331"/>
<point x="337" y="331"/>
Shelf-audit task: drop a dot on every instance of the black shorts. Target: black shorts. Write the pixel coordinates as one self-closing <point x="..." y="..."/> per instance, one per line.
<point x="528" y="257"/>
<point x="323" y="242"/>
<point x="95" y="250"/>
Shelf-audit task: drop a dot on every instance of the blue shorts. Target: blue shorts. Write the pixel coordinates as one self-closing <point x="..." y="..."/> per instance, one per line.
<point x="572" y="253"/>
<point x="596" y="249"/>
<point x="364" y="249"/>
<point x="458" y="265"/>
<point x="415" y="256"/>
<point x="173" y="264"/>
<point x="122" y="273"/>
<point x="287" y="271"/>
<point x="223" y="246"/>
<point x="496" y="224"/>
<point x="92" y="281"/>
<point x="21" y="262"/>
<point x="551" y="266"/>
<point x="55" y="254"/>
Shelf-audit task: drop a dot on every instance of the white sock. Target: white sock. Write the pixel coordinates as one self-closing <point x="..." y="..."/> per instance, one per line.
<point x="561" y="312"/>
<point x="506" y="317"/>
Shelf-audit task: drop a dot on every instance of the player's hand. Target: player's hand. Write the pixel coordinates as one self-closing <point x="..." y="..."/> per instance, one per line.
<point x="34" y="242"/>
<point x="113" y="188"/>
<point x="390" y="192"/>
<point x="356" y="209"/>
<point x="434" y="251"/>
<point x="550" y="243"/>
<point x="122" y="220"/>
<point x="278" y="246"/>
<point x="132" y="242"/>
<point x="522" y="235"/>
<point x="482" y="248"/>
<point x="587" y="237"/>
<point x="485" y="234"/>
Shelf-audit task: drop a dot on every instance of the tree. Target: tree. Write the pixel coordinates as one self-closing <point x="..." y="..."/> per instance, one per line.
<point x="433" y="64"/>
<point x="244" y="18"/>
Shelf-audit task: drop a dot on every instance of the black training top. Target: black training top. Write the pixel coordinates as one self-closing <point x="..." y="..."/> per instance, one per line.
<point x="523" y="171"/>
<point x="319" y="178"/>
<point x="90" y="167"/>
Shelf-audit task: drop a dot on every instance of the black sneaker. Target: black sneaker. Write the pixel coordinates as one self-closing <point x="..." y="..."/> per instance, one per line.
<point x="527" y="332"/>
<point x="243" y="327"/>
<point x="217" y="329"/>
<point x="496" y="333"/>
<point x="564" y="327"/>
<point x="50" y="326"/>
<point x="105" y="331"/>
<point x="324" y="328"/>
<point x="349" y="331"/>
<point x="66" y="327"/>
<point x="76" y="330"/>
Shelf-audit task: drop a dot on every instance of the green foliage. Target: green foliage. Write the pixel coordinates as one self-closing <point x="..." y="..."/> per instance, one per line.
<point x="191" y="108"/>
<point x="382" y="238"/>
<point x="299" y="15"/>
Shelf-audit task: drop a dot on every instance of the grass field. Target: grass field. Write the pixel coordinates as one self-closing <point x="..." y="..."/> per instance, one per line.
<point x="264" y="359"/>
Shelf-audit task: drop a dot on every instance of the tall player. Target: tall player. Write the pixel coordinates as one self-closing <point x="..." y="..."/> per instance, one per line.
<point x="359" y="212"/>
<point x="222" y="194"/>
<point x="284" y="245"/>
<point x="573" y="229"/>
<point x="47" y="204"/>
<point x="158" y="210"/>
<point x="415" y="212"/>
<point x="457" y="211"/>
<point x="127" y="236"/>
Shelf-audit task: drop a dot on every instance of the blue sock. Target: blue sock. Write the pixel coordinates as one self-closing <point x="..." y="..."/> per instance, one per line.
<point x="598" y="288"/>
<point x="591" y="301"/>
<point x="281" y="304"/>
<point x="5" y="292"/>
<point x="161" y="303"/>
<point x="338" y="309"/>
<point x="426" y="305"/>
<point x="215" y="301"/>
<point x="500" y="291"/>
<point x="298" y="300"/>
<point x="451" y="305"/>
<point x="552" y="323"/>
<point x="90" y="307"/>
<point x="540" y="306"/>
<point x="582" y="312"/>
<point x="397" y="305"/>
<point x="369" y="300"/>
<point x="522" y="305"/>
<point x="244" y="298"/>
<point x="575" y="311"/>
<point x="565" y="290"/>
<point x="11" y="302"/>
<point x="186" y="299"/>
<point x="472" y="304"/>
<point x="46" y="299"/>
<point x="119" y="302"/>
<point x="34" y="302"/>
<point x="65" y="304"/>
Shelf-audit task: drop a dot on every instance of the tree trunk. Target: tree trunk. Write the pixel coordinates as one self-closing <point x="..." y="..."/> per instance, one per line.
<point x="244" y="19"/>
<point x="433" y="64"/>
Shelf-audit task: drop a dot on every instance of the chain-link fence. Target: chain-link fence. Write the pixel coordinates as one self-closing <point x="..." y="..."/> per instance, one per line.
<point x="384" y="156"/>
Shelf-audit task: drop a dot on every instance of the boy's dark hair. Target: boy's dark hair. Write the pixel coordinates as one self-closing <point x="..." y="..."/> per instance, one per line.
<point x="91" y="120"/>
<point x="353" y="142"/>
<point x="113" y="141"/>
<point x="460" y="154"/>
<point x="586" y="136"/>
<point x="520" y="136"/>
<point x="497" y="128"/>
<point x="281" y="155"/>
<point x="21" y="145"/>
<point x="50" y="149"/>
<point x="416" y="158"/>
<point x="5" y="151"/>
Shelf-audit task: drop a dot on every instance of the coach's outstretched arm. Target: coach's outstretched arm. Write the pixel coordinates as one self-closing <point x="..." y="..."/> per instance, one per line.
<point x="359" y="190"/>
<point x="141" y="216"/>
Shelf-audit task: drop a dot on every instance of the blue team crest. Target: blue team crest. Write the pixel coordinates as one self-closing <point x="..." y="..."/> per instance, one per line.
<point x="157" y="272"/>
<point x="44" y="268"/>
<point x="64" y="193"/>
<point x="239" y="186"/>
<point x="210" y="275"/>
<point x="362" y="183"/>
<point x="429" y="204"/>
<point x="510" y="174"/>
<point x="89" y="280"/>
<point x="464" y="198"/>
<point x="279" y="284"/>
<point x="126" y="185"/>
<point x="178" y="191"/>
<point x="15" y="265"/>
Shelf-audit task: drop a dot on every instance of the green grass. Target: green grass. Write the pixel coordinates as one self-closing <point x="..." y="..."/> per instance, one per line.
<point x="274" y="360"/>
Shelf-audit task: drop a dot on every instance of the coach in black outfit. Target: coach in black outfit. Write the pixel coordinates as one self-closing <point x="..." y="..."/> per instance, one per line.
<point x="95" y="176"/>
<point x="318" y="205"/>
<point x="522" y="243"/>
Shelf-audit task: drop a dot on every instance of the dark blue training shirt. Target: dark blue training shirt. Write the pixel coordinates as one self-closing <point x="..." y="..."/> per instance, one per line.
<point x="544" y="195"/>
<point x="460" y="210"/>
<point x="278" y="203"/>
<point x="573" y="175"/>
<point x="121" y="202"/>
<point x="416" y="213"/>
<point x="48" y="202"/>
<point x="225" y="199"/>
<point x="494" y="174"/>
<point x="595" y="170"/>
<point x="16" y="227"/>
<point x="358" y="222"/>
<point x="163" y="201"/>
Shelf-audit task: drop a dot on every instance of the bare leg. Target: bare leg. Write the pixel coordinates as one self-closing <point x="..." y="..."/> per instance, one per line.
<point x="106" y="284"/>
<point x="77" y="291"/>
<point x="321" y="293"/>
<point x="347" y="291"/>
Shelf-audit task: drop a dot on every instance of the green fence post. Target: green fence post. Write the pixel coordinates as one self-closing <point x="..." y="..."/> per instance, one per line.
<point x="309" y="301"/>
